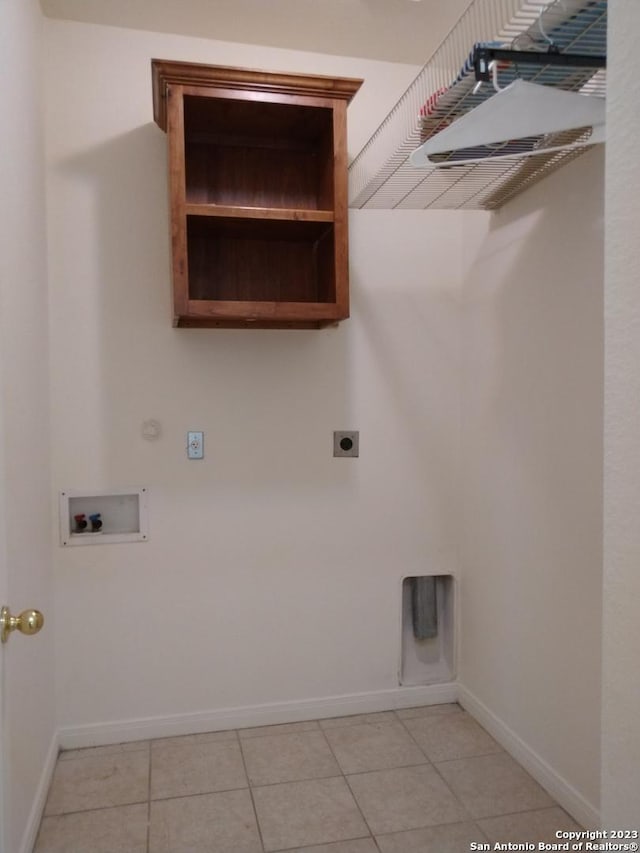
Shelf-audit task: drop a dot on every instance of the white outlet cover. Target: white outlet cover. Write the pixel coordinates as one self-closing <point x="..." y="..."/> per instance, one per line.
<point x="195" y="445"/>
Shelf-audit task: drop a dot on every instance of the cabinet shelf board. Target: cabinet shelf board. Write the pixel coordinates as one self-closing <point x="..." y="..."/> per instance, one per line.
<point x="225" y="211"/>
<point x="261" y="315"/>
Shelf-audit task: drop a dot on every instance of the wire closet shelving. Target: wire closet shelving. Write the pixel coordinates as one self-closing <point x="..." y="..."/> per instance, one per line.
<point x="381" y="175"/>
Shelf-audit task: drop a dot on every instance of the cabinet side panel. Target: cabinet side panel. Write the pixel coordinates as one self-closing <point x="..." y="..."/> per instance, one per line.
<point x="177" y="199"/>
<point x="324" y="267"/>
<point x="325" y="167"/>
<point x="340" y="195"/>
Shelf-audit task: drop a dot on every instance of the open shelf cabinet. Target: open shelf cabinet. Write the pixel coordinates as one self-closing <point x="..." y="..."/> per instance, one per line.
<point x="258" y="195"/>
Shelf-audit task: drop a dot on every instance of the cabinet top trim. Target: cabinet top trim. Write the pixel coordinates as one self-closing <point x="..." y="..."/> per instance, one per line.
<point x="165" y="72"/>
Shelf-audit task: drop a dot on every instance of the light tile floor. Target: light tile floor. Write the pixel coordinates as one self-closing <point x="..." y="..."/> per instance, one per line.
<point x="422" y="780"/>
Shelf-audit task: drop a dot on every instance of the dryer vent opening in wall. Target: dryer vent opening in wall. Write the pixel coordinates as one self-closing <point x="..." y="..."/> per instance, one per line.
<point x="427" y="630"/>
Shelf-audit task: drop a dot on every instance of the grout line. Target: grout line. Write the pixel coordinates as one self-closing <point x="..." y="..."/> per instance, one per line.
<point x="198" y="794"/>
<point x="346" y="781"/>
<point x="253" y="802"/>
<point x="298" y="849"/>
<point x="499" y="751"/>
<point x="253" y="732"/>
<point x="298" y="779"/>
<point x="524" y="811"/>
<point x="453" y="793"/>
<point x="92" y="751"/>
<point x="388" y="769"/>
<point x="435" y="767"/>
<point x="355" y="800"/>
<point x="410" y="733"/>
<point x="97" y="809"/>
<point x="149" y="804"/>
<point x="474" y="821"/>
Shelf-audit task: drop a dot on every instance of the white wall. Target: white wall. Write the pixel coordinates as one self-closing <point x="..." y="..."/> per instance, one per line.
<point x="272" y="572"/>
<point x="531" y="546"/>
<point x="28" y="682"/>
<point x="621" y="676"/>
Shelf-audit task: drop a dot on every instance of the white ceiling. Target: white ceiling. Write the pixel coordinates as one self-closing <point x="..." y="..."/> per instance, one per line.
<point x="393" y="30"/>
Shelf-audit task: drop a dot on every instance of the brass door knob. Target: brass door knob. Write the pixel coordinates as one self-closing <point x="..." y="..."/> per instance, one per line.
<point x="28" y="622"/>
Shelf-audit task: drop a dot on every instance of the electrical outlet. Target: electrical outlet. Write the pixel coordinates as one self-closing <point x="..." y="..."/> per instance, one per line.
<point x="346" y="443"/>
<point x="195" y="445"/>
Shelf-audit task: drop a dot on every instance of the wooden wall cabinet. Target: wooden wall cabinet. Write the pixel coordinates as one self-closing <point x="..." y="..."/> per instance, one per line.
<point x="258" y="195"/>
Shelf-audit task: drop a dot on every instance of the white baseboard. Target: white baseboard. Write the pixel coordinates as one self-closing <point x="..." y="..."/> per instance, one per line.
<point x="562" y="791"/>
<point x="74" y="737"/>
<point x="40" y="799"/>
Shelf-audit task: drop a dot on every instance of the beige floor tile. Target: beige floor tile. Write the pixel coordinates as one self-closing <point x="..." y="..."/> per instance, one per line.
<point x="360" y="845"/>
<point x="523" y="827"/>
<point x="429" y="711"/>
<point x="185" y="766"/>
<point x="299" y="814"/>
<point x="118" y="830"/>
<point x="209" y="823"/>
<point x="281" y="729"/>
<point x="405" y="798"/>
<point x="112" y="749"/>
<point x="450" y="736"/>
<point x="201" y="802"/>
<point x="99" y="781"/>
<point x="382" y="717"/>
<point x="452" y="838"/>
<point x="490" y="785"/>
<point x="288" y="758"/>
<point x="373" y="746"/>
